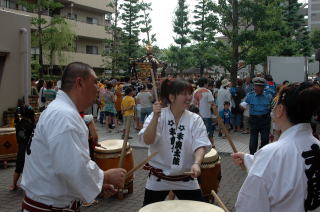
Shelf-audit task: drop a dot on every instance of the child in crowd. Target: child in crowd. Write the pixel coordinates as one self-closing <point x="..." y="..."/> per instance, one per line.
<point x="225" y="115"/>
<point x="127" y="107"/>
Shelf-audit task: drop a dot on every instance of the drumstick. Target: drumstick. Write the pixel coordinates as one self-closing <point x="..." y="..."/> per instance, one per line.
<point x="124" y="146"/>
<point x="140" y="165"/>
<point x="188" y="173"/>
<point x="225" y="131"/>
<point x="154" y="85"/>
<point x="220" y="203"/>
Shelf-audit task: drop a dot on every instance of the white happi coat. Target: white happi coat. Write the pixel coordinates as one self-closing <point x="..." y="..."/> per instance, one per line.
<point x="277" y="180"/>
<point x="175" y="145"/>
<point x="59" y="169"/>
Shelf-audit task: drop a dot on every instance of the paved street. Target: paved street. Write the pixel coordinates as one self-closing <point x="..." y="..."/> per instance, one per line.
<point x="232" y="177"/>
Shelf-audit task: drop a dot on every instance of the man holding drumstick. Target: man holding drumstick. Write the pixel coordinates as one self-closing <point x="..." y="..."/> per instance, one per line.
<point x="58" y="172"/>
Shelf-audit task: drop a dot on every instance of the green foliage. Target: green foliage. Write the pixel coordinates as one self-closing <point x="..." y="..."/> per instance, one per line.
<point x="181" y="24"/>
<point x="130" y="17"/>
<point x="297" y="38"/>
<point x="42" y="37"/>
<point x="146" y="24"/>
<point x="205" y="23"/>
<point x="235" y="20"/>
<point x="264" y="38"/>
<point x="315" y="38"/>
<point x="179" y="58"/>
<point x="116" y="53"/>
<point x="58" y="38"/>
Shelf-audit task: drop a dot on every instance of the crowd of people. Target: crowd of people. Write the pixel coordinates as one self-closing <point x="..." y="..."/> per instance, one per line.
<point x="180" y="126"/>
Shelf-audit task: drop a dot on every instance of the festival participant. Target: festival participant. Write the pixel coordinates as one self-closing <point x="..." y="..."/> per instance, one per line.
<point x="284" y="175"/>
<point x="180" y="138"/>
<point x="203" y="99"/>
<point x="260" y="120"/>
<point x="58" y="172"/>
<point x="24" y="128"/>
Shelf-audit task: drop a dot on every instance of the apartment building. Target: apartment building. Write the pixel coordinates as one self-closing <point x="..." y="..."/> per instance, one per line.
<point x="314" y="14"/>
<point x="87" y="19"/>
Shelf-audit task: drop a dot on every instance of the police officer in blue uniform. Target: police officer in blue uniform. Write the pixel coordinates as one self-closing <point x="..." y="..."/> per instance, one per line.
<point x="260" y="120"/>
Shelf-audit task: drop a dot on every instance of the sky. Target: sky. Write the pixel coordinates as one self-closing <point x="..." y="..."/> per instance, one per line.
<point x="162" y="15"/>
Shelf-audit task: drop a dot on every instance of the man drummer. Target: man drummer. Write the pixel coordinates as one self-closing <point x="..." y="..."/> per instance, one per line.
<point x="58" y="172"/>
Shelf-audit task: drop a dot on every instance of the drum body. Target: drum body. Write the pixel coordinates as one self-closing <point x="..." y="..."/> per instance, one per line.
<point x="108" y="157"/>
<point x="210" y="173"/>
<point x="8" y="144"/>
<point x="180" y="206"/>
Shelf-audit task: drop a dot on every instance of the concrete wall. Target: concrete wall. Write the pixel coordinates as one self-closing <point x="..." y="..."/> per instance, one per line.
<point x="15" y="77"/>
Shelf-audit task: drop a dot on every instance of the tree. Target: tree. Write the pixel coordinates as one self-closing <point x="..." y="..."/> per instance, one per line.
<point x="315" y="38"/>
<point x="181" y="28"/>
<point x="56" y="39"/>
<point x="131" y="22"/>
<point x="205" y="24"/>
<point x="265" y="38"/>
<point x="181" y="24"/>
<point x="234" y="24"/>
<point x="115" y="42"/>
<point x="179" y="58"/>
<point x="297" y="34"/>
<point x="41" y="7"/>
<point x="146" y="24"/>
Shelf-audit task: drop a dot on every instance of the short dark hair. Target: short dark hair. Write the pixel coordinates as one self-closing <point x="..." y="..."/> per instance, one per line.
<point x="109" y="85"/>
<point x="49" y="84"/>
<point x="71" y="72"/>
<point x="268" y="77"/>
<point x="149" y="86"/>
<point x="202" y="81"/>
<point x="128" y="90"/>
<point x="226" y="103"/>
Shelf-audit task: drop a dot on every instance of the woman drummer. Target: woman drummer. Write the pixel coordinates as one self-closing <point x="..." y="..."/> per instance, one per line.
<point x="180" y="138"/>
<point x="284" y="175"/>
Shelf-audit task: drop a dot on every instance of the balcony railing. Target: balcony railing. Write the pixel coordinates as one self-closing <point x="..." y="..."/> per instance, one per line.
<point x="50" y="14"/>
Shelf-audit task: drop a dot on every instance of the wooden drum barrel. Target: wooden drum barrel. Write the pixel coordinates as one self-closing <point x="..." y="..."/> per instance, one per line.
<point x="210" y="173"/>
<point x="108" y="156"/>
<point x="8" y="144"/>
<point x="180" y="206"/>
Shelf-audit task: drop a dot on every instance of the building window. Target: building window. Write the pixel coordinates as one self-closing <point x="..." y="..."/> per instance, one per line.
<point x="4" y="3"/>
<point x="91" y="49"/>
<point x="107" y="50"/>
<point x="91" y="20"/>
<point x="72" y="16"/>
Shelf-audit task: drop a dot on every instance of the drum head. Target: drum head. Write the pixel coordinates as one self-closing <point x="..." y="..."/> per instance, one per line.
<point x="111" y="146"/>
<point x="211" y="156"/>
<point x="181" y="206"/>
<point x="7" y="130"/>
